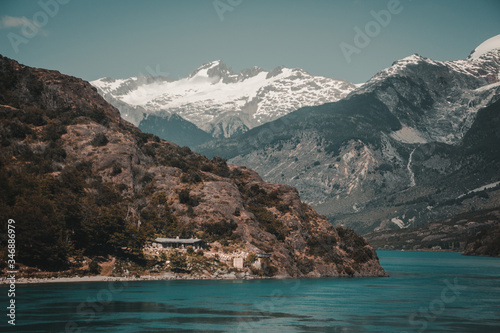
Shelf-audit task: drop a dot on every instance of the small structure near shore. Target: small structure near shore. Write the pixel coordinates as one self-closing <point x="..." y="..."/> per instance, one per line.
<point x="238" y="262"/>
<point x="175" y="243"/>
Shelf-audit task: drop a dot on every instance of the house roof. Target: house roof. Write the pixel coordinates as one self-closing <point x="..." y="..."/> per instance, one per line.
<point x="178" y="240"/>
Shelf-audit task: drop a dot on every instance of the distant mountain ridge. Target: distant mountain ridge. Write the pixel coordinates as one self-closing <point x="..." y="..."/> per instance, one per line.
<point x="172" y="127"/>
<point x="219" y="101"/>
<point x="377" y="158"/>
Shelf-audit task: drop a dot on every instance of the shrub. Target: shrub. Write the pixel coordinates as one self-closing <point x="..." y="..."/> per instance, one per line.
<point x="221" y="168"/>
<point x="283" y="208"/>
<point x="270" y="224"/>
<point x="147" y="178"/>
<point x="186" y="198"/>
<point x="122" y="187"/>
<point x="53" y="131"/>
<point x="191" y="177"/>
<point x="116" y="170"/>
<point x="142" y="138"/>
<point x="34" y="116"/>
<point x="267" y="268"/>
<point x="206" y="167"/>
<point x="362" y="255"/>
<point x="250" y="259"/>
<point x="350" y="239"/>
<point x="149" y="150"/>
<point x="94" y="268"/>
<point x="160" y="198"/>
<point x="178" y="262"/>
<point x="54" y="152"/>
<point x="305" y="265"/>
<point x="98" y="116"/>
<point x="219" y="231"/>
<point x="321" y="245"/>
<point x="100" y="140"/>
<point x="19" y="130"/>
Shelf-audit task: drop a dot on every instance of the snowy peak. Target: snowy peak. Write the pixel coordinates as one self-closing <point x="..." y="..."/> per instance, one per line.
<point x="249" y="73"/>
<point x="203" y="69"/>
<point x="483" y="62"/>
<point x="220" y="101"/>
<point x="214" y="71"/>
<point x="437" y="101"/>
<point x="413" y="59"/>
<point x="487" y="46"/>
<point x="217" y="71"/>
<point x="400" y="66"/>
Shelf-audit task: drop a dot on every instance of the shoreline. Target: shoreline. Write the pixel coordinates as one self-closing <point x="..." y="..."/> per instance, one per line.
<point x="100" y="278"/>
<point x="165" y="277"/>
<point x="419" y="250"/>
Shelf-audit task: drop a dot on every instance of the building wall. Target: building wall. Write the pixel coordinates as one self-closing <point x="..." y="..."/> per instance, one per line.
<point x="238" y="263"/>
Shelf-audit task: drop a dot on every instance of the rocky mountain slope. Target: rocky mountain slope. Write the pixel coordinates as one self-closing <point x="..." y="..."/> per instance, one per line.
<point x="82" y="183"/>
<point x="485" y="243"/>
<point x="403" y="149"/>
<point x="220" y="101"/>
<point x="458" y="233"/>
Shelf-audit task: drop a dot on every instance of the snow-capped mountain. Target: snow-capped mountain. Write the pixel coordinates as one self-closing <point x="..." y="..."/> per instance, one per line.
<point x="436" y="101"/>
<point x="485" y="47"/>
<point x="219" y="101"/>
<point x="390" y="149"/>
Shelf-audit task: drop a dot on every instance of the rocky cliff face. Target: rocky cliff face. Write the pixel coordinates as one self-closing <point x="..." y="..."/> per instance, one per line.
<point x="79" y="180"/>
<point x="394" y="153"/>
<point x="486" y="243"/>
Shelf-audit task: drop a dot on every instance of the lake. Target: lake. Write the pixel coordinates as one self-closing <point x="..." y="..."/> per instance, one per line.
<point x="426" y="292"/>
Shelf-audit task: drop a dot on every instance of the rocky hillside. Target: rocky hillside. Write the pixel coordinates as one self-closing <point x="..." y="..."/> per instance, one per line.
<point x="485" y="243"/>
<point x="82" y="183"/>
<point x="458" y="233"/>
<point x="410" y="146"/>
<point x="220" y="101"/>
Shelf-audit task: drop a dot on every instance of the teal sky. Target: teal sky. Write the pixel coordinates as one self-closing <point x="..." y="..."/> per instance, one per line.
<point x="122" y="38"/>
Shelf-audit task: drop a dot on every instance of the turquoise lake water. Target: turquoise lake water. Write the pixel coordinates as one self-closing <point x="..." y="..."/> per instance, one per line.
<point x="426" y="292"/>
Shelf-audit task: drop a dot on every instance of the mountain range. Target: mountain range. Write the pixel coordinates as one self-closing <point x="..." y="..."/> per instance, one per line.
<point x="412" y="145"/>
<point x="219" y="101"/>
<point x="399" y="150"/>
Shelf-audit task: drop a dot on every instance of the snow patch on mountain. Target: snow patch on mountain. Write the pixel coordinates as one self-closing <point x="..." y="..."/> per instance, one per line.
<point x="485" y="47"/>
<point x="409" y="135"/>
<point x="480" y="189"/>
<point x="487" y="87"/>
<point x="400" y="223"/>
